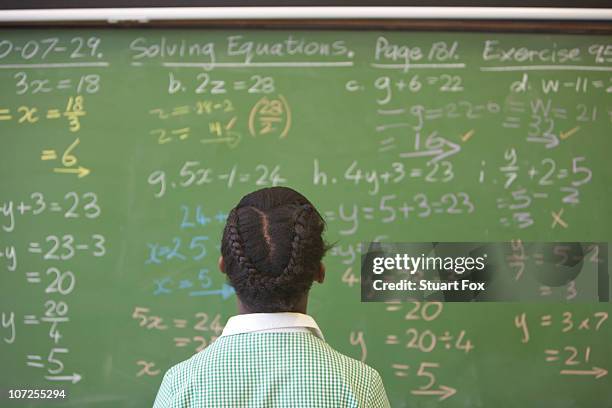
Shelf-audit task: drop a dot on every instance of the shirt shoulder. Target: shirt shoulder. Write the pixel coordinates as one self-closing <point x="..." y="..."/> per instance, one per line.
<point x="353" y="366"/>
<point x="179" y="379"/>
<point x="366" y="379"/>
<point x="196" y="362"/>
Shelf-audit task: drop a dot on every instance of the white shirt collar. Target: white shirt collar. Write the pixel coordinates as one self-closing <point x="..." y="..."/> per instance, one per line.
<point x="271" y="322"/>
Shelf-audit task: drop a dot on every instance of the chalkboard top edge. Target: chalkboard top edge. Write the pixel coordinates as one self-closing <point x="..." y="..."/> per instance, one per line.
<point x="317" y="17"/>
<point x="530" y="26"/>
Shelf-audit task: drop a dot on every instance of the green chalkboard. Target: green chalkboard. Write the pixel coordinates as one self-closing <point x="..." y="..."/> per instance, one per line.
<point x="122" y="151"/>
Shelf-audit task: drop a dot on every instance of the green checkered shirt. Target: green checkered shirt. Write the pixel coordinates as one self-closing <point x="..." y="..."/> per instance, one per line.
<point x="271" y="369"/>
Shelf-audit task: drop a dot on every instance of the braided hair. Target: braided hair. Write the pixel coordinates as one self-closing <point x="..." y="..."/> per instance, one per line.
<point x="272" y="248"/>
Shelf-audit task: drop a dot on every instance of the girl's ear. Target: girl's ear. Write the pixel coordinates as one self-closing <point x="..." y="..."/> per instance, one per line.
<point x="320" y="276"/>
<point x="221" y="264"/>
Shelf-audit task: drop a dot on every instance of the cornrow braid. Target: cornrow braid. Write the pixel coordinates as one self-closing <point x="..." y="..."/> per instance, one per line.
<point x="236" y="245"/>
<point x="299" y="228"/>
